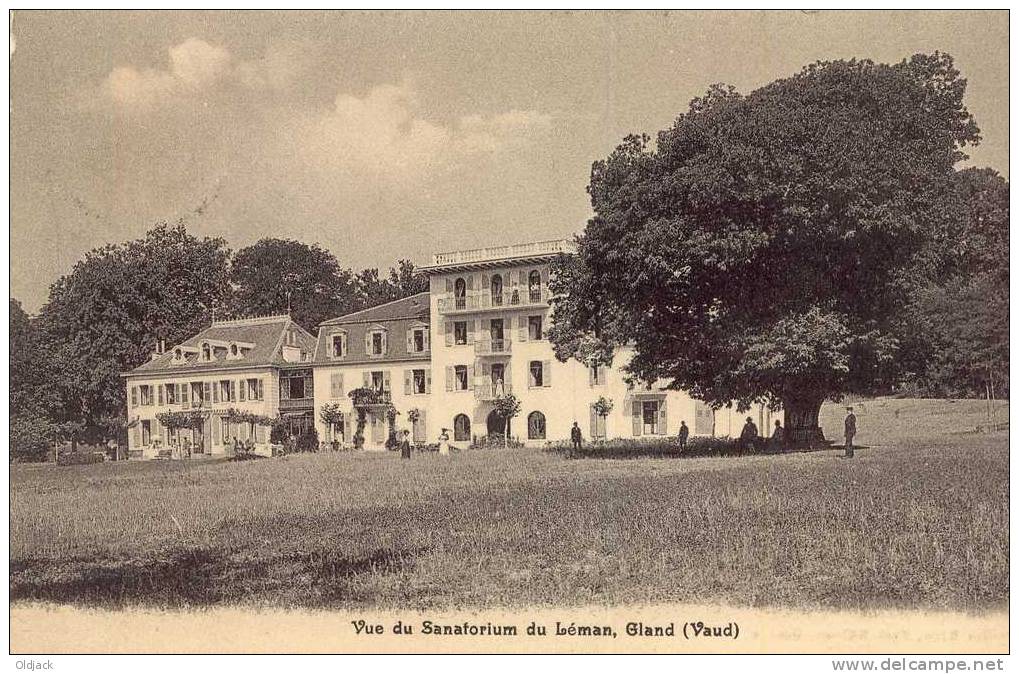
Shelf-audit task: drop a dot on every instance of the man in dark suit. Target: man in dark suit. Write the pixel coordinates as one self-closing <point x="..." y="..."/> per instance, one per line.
<point x="850" y="431"/>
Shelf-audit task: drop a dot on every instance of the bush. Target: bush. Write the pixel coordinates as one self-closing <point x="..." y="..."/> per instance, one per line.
<point x="278" y="435"/>
<point x="495" y="441"/>
<point x="307" y="442"/>
<point x="31" y="438"/>
<point x="392" y="444"/>
<point x="80" y="458"/>
<point x="632" y="448"/>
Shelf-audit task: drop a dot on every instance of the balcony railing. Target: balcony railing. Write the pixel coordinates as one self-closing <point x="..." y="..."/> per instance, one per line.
<point x="370" y="397"/>
<point x="296" y="403"/>
<point x="516" y="298"/>
<point x="487" y="390"/>
<point x="503" y="252"/>
<point x="492" y="347"/>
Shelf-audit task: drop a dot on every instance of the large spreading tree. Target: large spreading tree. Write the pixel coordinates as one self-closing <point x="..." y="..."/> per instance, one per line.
<point x="757" y="252"/>
<point x="108" y="314"/>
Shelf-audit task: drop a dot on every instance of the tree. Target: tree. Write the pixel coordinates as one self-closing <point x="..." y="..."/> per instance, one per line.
<point x="506" y="406"/>
<point x="755" y="253"/>
<point x="33" y="388"/>
<point x="603" y="407"/>
<point x="271" y="273"/>
<point x="108" y="314"/>
<point x="956" y="325"/>
<point x="403" y="281"/>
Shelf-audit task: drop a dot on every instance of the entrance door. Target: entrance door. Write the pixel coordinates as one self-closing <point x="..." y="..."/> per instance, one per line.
<point x="496" y="424"/>
<point x="650" y="417"/>
<point x="200" y="436"/>
<point x="378" y="428"/>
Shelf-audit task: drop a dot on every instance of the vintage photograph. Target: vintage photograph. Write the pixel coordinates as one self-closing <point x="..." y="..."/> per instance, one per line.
<point x="506" y="332"/>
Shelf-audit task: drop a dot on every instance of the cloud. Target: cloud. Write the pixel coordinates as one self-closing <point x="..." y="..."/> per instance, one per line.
<point x="384" y="135"/>
<point x="194" y="67"/>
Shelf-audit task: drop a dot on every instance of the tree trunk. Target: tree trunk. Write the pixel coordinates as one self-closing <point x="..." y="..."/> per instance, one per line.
<point x="802" y="429"/>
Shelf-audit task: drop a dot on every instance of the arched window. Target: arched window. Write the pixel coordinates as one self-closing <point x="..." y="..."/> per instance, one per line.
<point x="233" y="350"/>
<point x="461" y="428"/>
<point x="534" y="285"/>
<point x="460" y="293"/>
<point x="535" y="426"/>
<point x="496" y="290"/>
<point x="206" y="351"/>
<point x="178" y="354"/>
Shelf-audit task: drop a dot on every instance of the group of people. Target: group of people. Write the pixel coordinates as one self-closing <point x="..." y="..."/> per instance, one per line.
<point x="749" y="439"/>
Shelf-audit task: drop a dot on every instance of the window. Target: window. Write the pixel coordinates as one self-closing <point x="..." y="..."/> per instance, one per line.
<point x="197" y="394"/>
<point x="178" y="354"/>
<point x="460" y="332"/>
<point x="171" y="394"/>
<point x="378" y="380"/>
<point x="336" y="385"/>
<point x="596" y="375"/>
<point x="597" y="424"/>
<point x="254" y="389"/>
<point x="496" y="290"/>
<point x="419" y="382"/>
<point x="460" y="293"/>
<point x="296" y="388"/>
<point x="460" y="378"/>
<point x="537" y="374"/>
<point x="234" y="351"/>
<point x="146" y="432"/>
<point x="534" y="328"/>
<point x="338" y="348"/>
<point x="535" y="426"/>
<point x="228" y="391"/>
<point x="461" y="428"/>
<point x="376" y="344"/>
<point x="534" y="286"/>
<point x="417" y="340"/>
<point x="206" y="352"/>
<point x="145" y="393"/>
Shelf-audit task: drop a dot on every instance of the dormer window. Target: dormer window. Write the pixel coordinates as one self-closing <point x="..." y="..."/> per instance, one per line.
<point x="417" y="338"/>
<point x="375" y="342"/>
<point x="206" y="352"/>
<point x="234" y="351"/>
<point x="338" y="345"/>
<point x="178" y="354"/>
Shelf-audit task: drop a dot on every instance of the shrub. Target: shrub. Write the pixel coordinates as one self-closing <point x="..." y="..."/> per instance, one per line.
<point x="80" y="458"/>
<point x="278" y="435"/>
<point x="307" y="442"/>
<point x="496" y="441"/>
<point x="632" y="448"/>
<point x="392" y="443"/>
<point x="31" y="438"/>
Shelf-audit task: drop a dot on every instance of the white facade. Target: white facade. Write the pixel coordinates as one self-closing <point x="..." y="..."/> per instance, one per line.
<point x="490" y="317"/>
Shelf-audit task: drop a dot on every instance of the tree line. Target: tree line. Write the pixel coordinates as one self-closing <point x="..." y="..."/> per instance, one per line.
<point x="106" y="316"/>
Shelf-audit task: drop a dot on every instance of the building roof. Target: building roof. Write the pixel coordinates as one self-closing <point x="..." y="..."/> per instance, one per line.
<point x="397" y="318"/>
<point x="264" y="334"/>
<point x="415" y="306"/>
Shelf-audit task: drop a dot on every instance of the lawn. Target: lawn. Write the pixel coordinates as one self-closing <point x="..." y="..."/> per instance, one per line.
<point x="918" y="520"/>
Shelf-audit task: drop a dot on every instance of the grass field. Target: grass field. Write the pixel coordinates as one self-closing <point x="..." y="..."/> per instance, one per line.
<point x="918" y="520"/>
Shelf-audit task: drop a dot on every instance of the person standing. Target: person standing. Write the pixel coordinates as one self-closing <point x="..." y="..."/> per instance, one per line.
<point x="576" y="439"/>
<point x="748" y="436"/>
<point x="850" y="431"/>
<point x="405" y="445"/>
<point x="684" y="434"/>
<point x="444" y="443"/>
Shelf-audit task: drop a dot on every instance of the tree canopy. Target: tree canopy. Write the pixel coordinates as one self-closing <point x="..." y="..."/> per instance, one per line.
<point x="272" y="272"/>
<point x="757" y="251"/>
<point x="106" y="316"/>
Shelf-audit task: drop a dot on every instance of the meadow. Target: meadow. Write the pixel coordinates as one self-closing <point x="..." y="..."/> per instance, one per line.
<point x="918" y="520"/>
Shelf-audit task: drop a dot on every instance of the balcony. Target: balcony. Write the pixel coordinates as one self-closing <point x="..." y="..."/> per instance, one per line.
<point x="370" y="397"/>
<point x="486" y="391"/>
<point x="491" y="253"/>
<point x="521" y="298"/>
<point x="296" y="404"/>
<point x="492" y="347"/>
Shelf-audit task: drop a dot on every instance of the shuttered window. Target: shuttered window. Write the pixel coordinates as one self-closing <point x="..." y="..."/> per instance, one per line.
<point x="336" y="385"/>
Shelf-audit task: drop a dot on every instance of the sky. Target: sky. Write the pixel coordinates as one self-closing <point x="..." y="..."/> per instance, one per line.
<point x="383" y="136"/>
